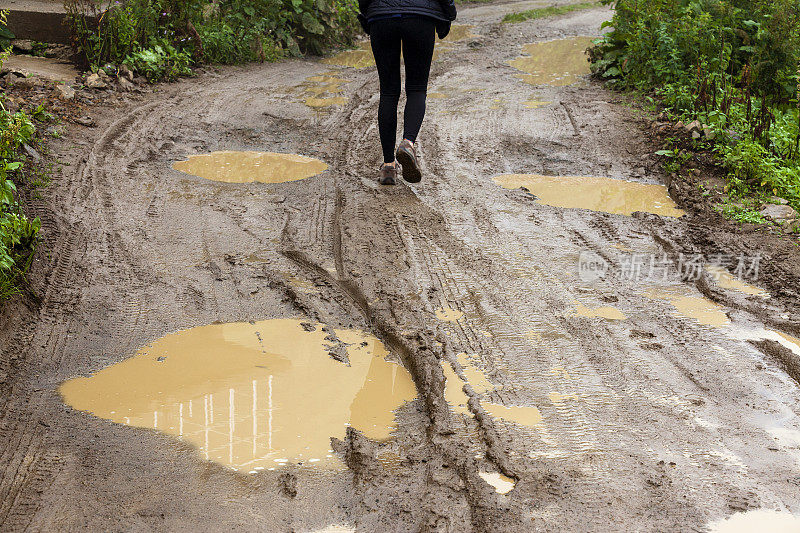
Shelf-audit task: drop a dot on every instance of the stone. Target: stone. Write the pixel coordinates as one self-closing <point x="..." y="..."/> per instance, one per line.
<point x="85" y="121"/>
<point x="709" y="134"/>
<point x="694" y="126"/>
<point x="779" y="213"/>
<point x="125" y="84"/>
<point x="695" y="135"/>
<point x="26" y="83"/>
<point x="103" y="74"/>
<point x="679" y="124"/>
<point x="32" y="152"/>
<point x="778" y="200"/>
<point x="125" y="72"/>
<point x="65" y="92"/>
<point x="93" y="81"/>
<point x="23" y="45"/>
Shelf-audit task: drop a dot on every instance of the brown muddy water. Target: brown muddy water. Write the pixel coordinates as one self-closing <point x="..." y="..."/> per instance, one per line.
<point x="699" y="308"/>
<point x="501" y="483"/>
<point x="556" y="63"/>
<point x="249" y="167"/>
<point x="324" y="91"/>
<point x="726" y="280"/>
<point x="607" y="312"/>
<point x="252" y="396"/>
<point x="595" y="193"/>
<point x="448" y="315"/>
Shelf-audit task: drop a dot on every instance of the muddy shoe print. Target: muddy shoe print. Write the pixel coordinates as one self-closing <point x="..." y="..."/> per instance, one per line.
<point x="407" y="157"/>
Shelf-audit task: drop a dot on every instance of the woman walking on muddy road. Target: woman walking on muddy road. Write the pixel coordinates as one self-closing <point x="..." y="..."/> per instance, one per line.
<point x="410" y="25"/>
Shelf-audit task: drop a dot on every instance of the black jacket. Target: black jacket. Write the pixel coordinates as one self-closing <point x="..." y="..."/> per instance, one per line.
<point x="443" y="11"/>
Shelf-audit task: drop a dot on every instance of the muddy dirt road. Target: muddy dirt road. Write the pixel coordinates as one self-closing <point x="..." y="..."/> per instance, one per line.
<point x="547" y="398"/>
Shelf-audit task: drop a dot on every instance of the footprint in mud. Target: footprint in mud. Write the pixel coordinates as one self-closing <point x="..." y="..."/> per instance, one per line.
<point x="606" y="195"/>
<point x="557" y="63"/>
<point x="252" y="396"/>
<point x="249" y="167"/>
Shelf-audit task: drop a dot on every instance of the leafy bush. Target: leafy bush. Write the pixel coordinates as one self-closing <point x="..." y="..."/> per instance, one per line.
<point x="18" y="234"/>
<point x="161" y="61"/>
<point x="731" y="64"/>
<point x="225" y="31"/>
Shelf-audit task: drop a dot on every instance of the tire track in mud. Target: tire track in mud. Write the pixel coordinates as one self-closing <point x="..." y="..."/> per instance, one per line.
<point x="651" y="421"/>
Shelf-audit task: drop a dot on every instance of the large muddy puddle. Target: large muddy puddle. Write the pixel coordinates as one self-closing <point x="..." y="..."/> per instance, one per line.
<point x="596" y="193"/>
<point x="556" y="63"/>
<point x="253" y="396"/>
<point x="249" y="167"/>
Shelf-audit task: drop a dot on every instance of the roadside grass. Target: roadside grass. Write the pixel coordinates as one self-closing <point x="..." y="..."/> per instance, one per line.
<point x="549" y="11"/>
<point x="729" y="72"/>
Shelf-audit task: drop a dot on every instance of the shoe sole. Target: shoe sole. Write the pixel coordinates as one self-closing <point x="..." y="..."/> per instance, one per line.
<point x="411" y="172"/>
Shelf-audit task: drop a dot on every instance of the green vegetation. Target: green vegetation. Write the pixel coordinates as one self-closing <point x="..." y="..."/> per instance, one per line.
<point x="550" y="11"/>
<point x="162" y="39"/>
<point x="732" y="65"/>
<point x="18" y="233"/>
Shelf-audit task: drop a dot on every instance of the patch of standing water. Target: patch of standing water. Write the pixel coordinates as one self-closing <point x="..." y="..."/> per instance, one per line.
<point x="252" y="395"/>
<point x="607" y="312"/>
<point x="362" y="57"/>
<point x="757" y="520"/>
<point x="501" y="483"/>
<point x="249" y="167"/>
<point x="454" y="395"/>
<point x="536" y="104"/>
<point x="703" y="310"/>
<point x="598" y="194"/>
<point x="726" y="280"/>
<point x="557" y="63"/>
<point x="322" y="85"/>
<point x="448" y="315"/>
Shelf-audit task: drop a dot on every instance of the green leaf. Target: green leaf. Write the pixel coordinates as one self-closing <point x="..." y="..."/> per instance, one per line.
<point x="311" y="24"/>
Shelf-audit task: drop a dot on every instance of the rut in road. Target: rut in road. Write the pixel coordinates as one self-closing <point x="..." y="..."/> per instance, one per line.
<point x="611" y="403"/>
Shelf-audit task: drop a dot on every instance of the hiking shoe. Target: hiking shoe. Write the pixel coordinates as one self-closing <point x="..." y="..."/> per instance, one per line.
<point x="388" y="175"/>
<point x="407" y="157"/>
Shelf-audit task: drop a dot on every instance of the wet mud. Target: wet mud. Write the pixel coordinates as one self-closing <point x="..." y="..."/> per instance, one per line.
<point x="557" y="63"/>
<point x="685" y="410"/>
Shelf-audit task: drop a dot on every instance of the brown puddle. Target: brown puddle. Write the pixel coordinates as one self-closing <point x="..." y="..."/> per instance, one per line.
<point x="598" y="194"/>
<point x="249" y="167"/>
<point x="456" y="397"/>
<point x="766" y="520"/>
<point x="448" y="315"/>
<point x="324" y="91"/>
<point x="535" y="104"/>
<point x="252" y="396"/>
<point x="501" y="483"/>
<point x="703" y="310"/>
<point x="556" y="63"/>
<point x="361" y="57"/>
<point x="726" y="280"/>
<point x="609" y="313"/>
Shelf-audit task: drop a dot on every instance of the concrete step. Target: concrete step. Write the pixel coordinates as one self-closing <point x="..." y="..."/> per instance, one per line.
<point x="37" y="20"/>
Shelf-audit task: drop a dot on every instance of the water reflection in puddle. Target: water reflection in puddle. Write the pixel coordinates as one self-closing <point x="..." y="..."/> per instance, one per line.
<point x="701" y="309"/>
<point x="501" y="483"/>
<point x="595" y="193"/>
<point x="727" y="281"/>
<point x="249" y="167"/>
<point x="556" y="63"/>
<point x="252" y="395"/>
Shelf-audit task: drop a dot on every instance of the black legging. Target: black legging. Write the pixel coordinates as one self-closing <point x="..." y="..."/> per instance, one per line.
<point x="417" y="36"/>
